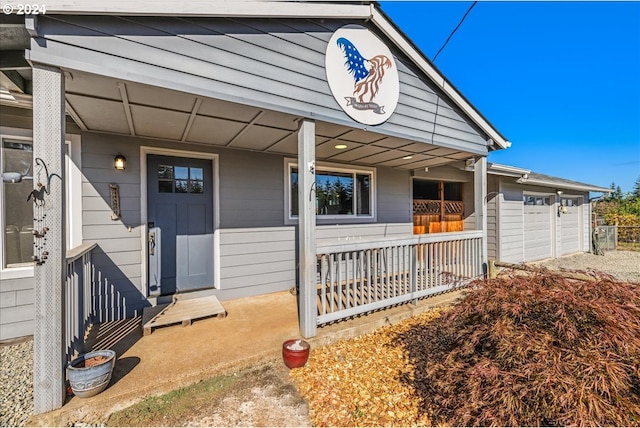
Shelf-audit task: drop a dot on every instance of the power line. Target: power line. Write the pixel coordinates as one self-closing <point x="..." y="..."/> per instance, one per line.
<point x="454" y="30"/>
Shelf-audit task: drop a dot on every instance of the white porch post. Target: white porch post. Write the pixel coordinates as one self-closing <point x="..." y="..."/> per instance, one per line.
<point x="48" y="149"/>
<point x="307" y="311"/>
<point x="480" y="204"/>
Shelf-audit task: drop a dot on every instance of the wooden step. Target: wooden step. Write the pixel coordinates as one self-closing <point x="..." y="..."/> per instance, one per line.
<point x="185" y="311"/>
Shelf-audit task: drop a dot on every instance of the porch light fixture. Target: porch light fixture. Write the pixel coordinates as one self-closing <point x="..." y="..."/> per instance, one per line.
<point x="340" y="146"/>
<point x="119" y="162"/>
<point x="407" y="157"/>
<point x="559" y="192"/>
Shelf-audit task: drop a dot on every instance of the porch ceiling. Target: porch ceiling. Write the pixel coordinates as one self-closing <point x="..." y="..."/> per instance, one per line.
<point x="100" y="104"/>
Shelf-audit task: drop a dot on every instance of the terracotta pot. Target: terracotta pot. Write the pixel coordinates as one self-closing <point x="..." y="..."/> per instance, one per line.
<point x="295" y="357"/>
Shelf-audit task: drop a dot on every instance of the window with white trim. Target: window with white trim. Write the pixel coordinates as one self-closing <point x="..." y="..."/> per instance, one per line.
<point x="340" y="192"/>
<point x="17" y="213"/>
<point x="536" y="200"/>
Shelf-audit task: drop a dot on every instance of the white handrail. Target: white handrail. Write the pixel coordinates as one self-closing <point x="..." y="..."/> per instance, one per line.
<point x="369" y="243"/>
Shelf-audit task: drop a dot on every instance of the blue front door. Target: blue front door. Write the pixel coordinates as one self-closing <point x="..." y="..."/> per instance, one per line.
<point x="180" y="224"/>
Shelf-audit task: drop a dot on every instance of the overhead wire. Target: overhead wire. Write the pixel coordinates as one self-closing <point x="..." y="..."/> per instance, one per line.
<point x="454" y="30"/>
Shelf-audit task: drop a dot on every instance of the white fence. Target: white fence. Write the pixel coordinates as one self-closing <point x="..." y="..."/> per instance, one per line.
<point x="355" y="277"/>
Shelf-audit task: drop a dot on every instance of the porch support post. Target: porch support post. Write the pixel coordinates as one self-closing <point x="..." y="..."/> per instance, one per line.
<point x="480" y="204"/>
<point x="307" y="311"/>
<point x="49" y="277"/>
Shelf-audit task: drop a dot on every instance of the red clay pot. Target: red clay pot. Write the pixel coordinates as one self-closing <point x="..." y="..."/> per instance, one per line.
<point x="295" y="358"/>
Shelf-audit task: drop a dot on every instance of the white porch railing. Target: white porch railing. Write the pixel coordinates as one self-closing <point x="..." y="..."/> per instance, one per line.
<point x="79" y="305"/>
<point x="361" y="276"/>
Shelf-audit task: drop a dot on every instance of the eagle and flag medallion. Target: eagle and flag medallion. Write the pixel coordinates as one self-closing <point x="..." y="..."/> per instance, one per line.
<point x="362" y="75"/>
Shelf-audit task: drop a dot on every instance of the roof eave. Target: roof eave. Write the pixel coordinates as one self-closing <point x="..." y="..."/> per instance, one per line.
<point x="281" y="9"/>
<point x="390" y="30"/>
<point x="568" y="186"/>
<point x="499" y="169"/>
<point x="218" y="8"/>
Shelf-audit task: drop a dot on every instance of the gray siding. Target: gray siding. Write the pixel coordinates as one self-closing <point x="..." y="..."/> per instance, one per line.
<point x="117" y="257"/>
<point x="257" y="250"/>
<point x="256" y="261"/>
<point x="251" y="189"/>
<point x="394" y="198"/>
<point x="16" y="308"/>
<point x="363" y="231"/>
<point x="273" y="64"/>
<point x="511" y="217"/>
<point x="264" y="260"/>
<point x="493" y="218"/>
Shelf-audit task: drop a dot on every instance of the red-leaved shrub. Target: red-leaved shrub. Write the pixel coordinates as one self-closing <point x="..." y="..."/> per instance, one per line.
<point x="532" y="350"/>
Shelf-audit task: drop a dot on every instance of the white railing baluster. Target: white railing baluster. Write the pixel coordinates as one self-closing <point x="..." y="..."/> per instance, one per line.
<point x="323" y="284"/>
<point x="354" y="276"/>
<point x="364" y="275"/>
<point x="77" y="301"/>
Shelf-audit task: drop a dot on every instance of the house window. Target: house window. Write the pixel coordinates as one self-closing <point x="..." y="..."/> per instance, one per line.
<point x="339" y="192"/>
<point x="570" y="202"/>
<point x="17" y="214"/>
<point x="537" y="200"/>
<point x="180" y="179"/>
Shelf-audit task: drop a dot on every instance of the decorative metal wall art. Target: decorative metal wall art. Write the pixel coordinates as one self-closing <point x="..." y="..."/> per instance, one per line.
<point x="40" y="228"/>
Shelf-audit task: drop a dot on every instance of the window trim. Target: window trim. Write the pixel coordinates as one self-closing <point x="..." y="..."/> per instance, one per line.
<point x="73" y="185"/>
<point x="23" y="270"/>
<point x="291" y="163"/>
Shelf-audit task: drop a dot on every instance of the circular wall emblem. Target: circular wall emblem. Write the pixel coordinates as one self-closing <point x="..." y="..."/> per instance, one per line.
<point x="362" y="75"/>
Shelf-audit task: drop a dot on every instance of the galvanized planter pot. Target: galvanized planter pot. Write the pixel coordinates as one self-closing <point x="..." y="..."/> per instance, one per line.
<point x="89" y="381"/>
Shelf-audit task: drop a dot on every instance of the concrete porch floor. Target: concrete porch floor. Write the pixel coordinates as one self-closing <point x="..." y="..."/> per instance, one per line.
<point x="175" y="356"/>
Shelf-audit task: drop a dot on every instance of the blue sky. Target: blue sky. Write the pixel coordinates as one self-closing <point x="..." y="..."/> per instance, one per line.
<point x="560" y="80"/>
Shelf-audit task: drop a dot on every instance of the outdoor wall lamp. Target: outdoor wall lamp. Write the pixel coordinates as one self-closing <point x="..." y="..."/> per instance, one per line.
<point x="119" y="162"/>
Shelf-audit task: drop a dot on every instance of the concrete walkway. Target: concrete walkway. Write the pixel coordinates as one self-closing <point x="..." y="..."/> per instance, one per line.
<point x="175" y="356"/>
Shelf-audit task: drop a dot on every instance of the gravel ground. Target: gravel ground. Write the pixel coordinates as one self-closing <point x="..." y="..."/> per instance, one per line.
<point x="16" y="360"/>
<point x="624" y="265"/>
<point x="16" y="383"/>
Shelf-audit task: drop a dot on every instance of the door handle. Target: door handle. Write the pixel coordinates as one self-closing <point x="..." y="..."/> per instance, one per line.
<point x="152" y="243"/>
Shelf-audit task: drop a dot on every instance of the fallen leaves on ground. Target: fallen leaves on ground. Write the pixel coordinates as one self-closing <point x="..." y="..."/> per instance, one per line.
<point x="532" y="350"/>
<point x="358" y="382"/>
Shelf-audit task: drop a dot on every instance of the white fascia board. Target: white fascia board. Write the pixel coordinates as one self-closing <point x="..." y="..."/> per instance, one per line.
<point x="216" y="8"/>
<point x="579" y="187"/>
<point x="390" y="31"/>
<point x="498" y="169"/>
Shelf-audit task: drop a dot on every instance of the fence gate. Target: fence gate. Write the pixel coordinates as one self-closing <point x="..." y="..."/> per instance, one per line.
<point x="604" y="239"/>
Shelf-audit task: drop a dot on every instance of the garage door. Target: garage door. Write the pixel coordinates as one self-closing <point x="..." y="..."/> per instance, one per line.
<point x="537" y="228"/>
<point x="570" y="225"/>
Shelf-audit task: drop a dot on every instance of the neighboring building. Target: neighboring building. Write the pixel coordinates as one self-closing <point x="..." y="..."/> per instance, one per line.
<point x="533" y="216"/>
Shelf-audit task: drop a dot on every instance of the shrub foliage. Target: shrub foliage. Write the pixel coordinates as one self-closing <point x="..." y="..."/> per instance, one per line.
<point x="530" y="351"/>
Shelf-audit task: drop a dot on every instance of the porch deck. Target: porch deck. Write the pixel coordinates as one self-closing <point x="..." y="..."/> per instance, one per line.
<point x="174" y="356"/>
